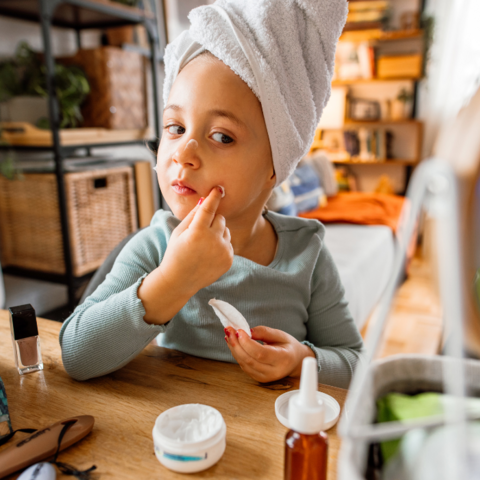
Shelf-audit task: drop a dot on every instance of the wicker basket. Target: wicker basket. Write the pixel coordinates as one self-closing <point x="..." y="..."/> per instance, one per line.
<point x="117" y="88"/>
<point x="101" y="211"/>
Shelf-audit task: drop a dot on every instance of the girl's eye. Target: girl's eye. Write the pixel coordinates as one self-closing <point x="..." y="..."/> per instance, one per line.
<point x="222" y="138"/>
<point x="175" y="130"/>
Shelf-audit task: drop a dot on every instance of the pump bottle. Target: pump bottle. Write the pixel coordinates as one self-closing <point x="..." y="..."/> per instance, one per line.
<point x="306" y="445"/>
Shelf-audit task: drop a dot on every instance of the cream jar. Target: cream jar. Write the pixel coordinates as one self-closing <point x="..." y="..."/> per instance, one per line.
<point x="189" y="438"/>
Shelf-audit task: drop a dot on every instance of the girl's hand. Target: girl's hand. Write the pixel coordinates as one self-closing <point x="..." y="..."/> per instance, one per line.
<point x="280" y="356"/>
<point x="198" y="253"/>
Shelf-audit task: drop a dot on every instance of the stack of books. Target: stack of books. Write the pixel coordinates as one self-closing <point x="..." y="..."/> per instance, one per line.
<point x="377" y="145"/>
<point x="366" y="14"/>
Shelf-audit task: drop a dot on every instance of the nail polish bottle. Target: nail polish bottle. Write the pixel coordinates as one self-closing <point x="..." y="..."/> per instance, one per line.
<point x="25" y="339"/>
<point x="306" y="445"/>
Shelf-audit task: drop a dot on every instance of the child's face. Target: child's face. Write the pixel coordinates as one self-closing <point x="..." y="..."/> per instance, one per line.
<point x="213" y="106"/>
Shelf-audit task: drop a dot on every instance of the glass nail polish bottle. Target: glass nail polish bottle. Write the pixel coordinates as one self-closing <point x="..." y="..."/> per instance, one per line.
<point x="25" y="339"/>
<point x="306" y="445"/>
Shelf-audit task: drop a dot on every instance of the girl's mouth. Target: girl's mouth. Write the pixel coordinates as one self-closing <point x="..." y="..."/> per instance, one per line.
<point x="181" y="188"/>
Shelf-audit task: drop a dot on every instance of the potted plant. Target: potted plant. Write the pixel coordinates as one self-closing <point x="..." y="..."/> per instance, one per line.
<point x="23" y="90"/>
<point x="402" y="105"/>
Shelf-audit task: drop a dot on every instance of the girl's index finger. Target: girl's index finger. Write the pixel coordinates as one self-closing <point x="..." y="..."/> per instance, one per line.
<point x="208" y="209"/>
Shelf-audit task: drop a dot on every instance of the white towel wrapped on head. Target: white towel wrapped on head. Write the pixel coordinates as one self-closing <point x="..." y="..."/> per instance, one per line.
<point x="283" y="49"/>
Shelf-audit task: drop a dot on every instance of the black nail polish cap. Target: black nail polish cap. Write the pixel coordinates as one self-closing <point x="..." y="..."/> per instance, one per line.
<point x="24" y="321"/>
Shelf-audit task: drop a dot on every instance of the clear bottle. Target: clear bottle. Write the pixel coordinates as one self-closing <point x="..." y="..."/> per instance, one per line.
<point x="306" y="445"/>
<point x="25" y="339"/>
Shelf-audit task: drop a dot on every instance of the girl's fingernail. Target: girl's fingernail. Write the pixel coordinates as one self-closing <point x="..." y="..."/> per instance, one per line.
<point x="227" y="333"/>
<point x="200" y="201"/>
<point x="226" y="339"/>
<point x="236" y="333"/>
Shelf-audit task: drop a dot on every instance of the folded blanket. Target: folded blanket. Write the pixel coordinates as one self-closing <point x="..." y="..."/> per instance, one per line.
<point x="361" y="208"/>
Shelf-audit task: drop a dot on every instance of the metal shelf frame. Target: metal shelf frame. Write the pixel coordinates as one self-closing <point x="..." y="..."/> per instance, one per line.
<point x="108" y="15"/>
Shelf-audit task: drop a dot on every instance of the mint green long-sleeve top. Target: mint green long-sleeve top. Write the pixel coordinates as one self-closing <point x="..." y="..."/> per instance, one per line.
<point x="300" y="292"/>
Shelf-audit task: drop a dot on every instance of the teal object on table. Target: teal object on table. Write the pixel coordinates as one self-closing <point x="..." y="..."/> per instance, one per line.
<point x="5" y="423"/>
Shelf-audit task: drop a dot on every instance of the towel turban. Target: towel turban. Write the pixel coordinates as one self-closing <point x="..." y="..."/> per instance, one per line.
<point x="284" y="50"/>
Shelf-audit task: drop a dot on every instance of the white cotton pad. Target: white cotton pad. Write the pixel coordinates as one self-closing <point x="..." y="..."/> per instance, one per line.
<point x="223" y="190"/>
<point x="230" y="316"/>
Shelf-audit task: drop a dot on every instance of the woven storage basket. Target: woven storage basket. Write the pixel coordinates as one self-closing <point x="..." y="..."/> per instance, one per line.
<point x="101" y="212"/>
<point x="117" y="88"/>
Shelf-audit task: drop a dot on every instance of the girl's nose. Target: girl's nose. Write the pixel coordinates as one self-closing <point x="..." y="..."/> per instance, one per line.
<point x="187" y="155"/>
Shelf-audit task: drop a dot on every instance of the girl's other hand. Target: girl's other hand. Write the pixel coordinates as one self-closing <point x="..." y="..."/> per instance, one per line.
<point x="280" y="356"/>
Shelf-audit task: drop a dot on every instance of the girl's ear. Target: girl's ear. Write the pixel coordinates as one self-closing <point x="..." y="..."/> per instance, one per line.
<point x="273" y="177"/>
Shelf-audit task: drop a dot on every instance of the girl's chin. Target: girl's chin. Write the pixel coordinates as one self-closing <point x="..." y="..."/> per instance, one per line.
<point x="183" y="209"/>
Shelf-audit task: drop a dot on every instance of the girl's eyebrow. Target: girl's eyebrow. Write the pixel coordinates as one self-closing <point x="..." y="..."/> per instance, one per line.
<point x="226" y="114"/>
<point x="214" y="113"/>
<point x="172" y="106"/>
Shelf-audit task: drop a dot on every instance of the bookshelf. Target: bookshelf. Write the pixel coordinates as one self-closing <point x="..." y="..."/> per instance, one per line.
<point x="376" y="123"/>
<point x="353" y="81"/>
<point x="379" y="56"/>
<point x="380" y="35"/>
<point x="394" y="162"/>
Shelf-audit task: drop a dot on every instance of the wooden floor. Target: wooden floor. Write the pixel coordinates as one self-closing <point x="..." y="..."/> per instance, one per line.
<point x="415" y="321"/>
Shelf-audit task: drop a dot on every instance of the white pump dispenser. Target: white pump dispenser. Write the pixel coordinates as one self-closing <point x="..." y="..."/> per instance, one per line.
<point x="306" y="412"/>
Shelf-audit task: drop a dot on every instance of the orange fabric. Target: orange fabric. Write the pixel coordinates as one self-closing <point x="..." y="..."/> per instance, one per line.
<point x="361" y="208"/>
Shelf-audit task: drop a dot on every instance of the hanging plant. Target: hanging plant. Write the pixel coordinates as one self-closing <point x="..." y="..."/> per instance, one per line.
<point x="427" y="23"/>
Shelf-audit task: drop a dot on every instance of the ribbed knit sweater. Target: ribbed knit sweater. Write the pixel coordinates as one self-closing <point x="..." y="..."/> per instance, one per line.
<point x="300" y="292"/>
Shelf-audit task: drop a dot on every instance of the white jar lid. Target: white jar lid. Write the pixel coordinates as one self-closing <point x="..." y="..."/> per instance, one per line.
<point x="188" y="424"/>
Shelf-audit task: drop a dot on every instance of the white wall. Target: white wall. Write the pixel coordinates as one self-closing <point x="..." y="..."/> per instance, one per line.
<point x="454" y="69"/>
<point x="63" y="40"/>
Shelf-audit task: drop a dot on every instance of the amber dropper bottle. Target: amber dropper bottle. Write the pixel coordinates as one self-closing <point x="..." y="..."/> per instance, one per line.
<point x="306" y="445"/>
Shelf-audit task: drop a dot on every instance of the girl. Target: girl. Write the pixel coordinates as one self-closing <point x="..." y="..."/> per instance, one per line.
<point x="217" y="166"/>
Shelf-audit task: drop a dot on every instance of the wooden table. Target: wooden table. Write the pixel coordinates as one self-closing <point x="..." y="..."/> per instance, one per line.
<point x="126" y="403"/>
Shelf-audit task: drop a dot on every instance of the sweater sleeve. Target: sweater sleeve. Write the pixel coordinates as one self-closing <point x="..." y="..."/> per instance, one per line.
<point x="331" y="330"/>
<point x="107" y="331"/>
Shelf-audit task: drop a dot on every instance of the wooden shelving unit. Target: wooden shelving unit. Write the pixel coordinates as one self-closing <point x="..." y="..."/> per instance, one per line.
<point x="79" y="15"/>
<point x="379" y="123"/>
<point x="376" y="50"/>
<point x="337" y="83"/>
<point x="27" y="135"/>
<point x="393" y="161"/>
<point x="379" y="35"/>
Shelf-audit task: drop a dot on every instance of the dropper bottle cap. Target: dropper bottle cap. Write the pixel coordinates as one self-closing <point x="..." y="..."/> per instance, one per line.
<point x="306" y="413"/>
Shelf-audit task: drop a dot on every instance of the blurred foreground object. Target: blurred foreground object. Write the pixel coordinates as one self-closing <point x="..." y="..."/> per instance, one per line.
<point x="446" y="185"/>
